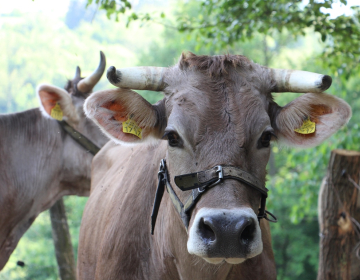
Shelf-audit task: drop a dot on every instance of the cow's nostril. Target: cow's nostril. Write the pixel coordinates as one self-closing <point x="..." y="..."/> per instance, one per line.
<point x="247" y="235"/>
<point x="205" y="230"/>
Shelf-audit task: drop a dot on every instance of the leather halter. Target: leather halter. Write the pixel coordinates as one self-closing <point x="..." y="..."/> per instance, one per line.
<point x="79" y="138"/>
<point x="199" y="182"/>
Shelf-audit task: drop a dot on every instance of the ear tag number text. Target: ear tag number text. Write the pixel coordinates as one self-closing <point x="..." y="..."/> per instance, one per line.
<point x="307" y="127"/>
<point x="130" y="126"/>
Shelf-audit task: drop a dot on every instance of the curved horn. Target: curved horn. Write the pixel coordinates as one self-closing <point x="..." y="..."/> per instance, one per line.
<point x="89" y="82"/>
<point x="77" y="73"/>
<point x="142" y="78"/>
<point x="299" y="81"/>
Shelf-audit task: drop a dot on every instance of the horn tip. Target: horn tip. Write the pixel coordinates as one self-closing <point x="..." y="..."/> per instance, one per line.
<point x="77" y="72"/>
<point x="102" y="62"/>
<point x="113" y="76"/>
<point x="325" y="82"/>
<point x="102" y="55"/>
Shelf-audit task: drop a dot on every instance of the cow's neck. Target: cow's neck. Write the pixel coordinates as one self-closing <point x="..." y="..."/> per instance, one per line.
<point x="76" y="172"/>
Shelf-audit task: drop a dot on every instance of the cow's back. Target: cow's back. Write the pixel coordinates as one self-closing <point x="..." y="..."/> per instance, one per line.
<point x="118" y="209"/>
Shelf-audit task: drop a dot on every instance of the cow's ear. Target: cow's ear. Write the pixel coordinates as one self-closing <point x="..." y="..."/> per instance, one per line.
<point x="56" y="103"/>
<point x="125" y="116"/>
<point x="310" y="119"/>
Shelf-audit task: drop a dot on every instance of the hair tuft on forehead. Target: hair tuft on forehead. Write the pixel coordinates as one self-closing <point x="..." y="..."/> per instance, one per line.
<point x="214" y="66"/>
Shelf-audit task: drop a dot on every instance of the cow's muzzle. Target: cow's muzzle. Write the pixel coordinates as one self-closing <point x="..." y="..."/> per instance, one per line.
<point x="232" y="235"/>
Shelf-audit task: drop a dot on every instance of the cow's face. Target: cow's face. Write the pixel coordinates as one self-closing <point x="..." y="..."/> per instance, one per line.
<point x="214" y="120"/>
<point x="218" y="111"/>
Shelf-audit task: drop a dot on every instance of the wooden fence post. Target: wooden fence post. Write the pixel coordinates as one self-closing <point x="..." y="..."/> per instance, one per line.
<point x="339" y="214"/>
<point x="62" y="241"/>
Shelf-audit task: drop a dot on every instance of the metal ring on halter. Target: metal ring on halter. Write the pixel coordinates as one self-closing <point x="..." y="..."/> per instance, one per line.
<point x="273" y="220"/>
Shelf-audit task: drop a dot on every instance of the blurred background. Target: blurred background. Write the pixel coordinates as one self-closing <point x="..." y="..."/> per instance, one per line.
<point x="43" y="41"/>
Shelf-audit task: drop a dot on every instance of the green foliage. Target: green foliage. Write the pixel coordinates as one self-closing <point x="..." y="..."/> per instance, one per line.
<point x="116" y="8"/>
<point x="225" y="22"/>
<point x="112" y="7"/>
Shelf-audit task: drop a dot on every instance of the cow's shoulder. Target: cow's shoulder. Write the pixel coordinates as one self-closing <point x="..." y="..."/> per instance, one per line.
<point x="116" y="220"/>
<point x="116" y="162"/>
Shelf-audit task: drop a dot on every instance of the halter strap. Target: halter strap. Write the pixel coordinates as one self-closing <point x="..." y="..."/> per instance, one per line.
<point x="203" y="178"/>
<point x="198" y="183"/>
<point x="81" y="139"/>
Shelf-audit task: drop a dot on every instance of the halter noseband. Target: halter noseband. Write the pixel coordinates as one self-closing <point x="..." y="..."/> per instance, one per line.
<point x="199" y="182"/>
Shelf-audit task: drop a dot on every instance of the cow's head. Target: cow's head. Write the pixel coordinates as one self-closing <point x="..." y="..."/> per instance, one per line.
<point x="218" y="111"/>
<point x="67" y="104"/>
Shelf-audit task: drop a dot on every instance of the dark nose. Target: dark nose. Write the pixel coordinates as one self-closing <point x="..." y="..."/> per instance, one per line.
<point x="227" y="235"/>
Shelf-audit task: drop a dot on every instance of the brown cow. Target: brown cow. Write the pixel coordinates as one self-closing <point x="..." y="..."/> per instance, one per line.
<point x="218" y="117"/>
<point x="39" y="161"/>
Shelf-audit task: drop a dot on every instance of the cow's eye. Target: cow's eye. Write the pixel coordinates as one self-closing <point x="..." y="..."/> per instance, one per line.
<point x="173" y="138"/>
<point x="265" y="139"/>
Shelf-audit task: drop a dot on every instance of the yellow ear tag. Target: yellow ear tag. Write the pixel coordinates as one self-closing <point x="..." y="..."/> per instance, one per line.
<point x="307" y="127"/>
<point x="130" y="126"/>
<point x="56" y="112"/>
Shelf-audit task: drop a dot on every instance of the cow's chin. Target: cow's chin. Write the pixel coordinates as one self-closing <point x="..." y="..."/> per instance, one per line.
<point x="221" y="260"/>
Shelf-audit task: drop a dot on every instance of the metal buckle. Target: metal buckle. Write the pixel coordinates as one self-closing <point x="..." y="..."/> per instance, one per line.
<point x="220" y="178"/>
<point x="220" y="171"/>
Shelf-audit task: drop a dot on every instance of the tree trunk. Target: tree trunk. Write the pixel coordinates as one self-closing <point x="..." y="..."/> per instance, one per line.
<point x="62" y="241"/>
<point x="339" y="211"/>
